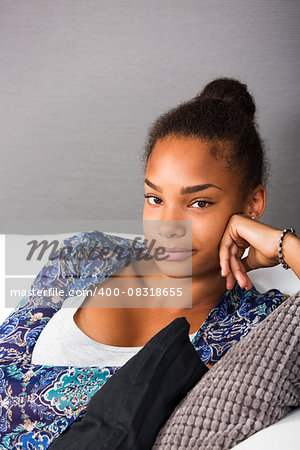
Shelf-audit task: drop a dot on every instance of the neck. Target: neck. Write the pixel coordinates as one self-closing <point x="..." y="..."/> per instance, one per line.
<point x="135" y="326"/>
<point x="201" y="295"/>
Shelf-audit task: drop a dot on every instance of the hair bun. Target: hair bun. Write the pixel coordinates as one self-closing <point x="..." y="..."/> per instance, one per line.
<point x="231" y="91"/>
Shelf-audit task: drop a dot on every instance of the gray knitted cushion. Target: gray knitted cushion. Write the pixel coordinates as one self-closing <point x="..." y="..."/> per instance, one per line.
<point x="255" y="384"/>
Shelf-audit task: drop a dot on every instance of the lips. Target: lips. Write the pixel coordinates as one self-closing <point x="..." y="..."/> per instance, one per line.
<point x="177" y="249"/>
<point x="173" y="254"/>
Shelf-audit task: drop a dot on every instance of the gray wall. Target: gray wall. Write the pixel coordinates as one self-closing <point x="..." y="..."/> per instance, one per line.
<point x="82" y="80"/>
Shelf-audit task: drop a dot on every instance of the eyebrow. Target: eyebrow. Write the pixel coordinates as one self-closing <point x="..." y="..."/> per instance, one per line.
<point x="185" y="190"/>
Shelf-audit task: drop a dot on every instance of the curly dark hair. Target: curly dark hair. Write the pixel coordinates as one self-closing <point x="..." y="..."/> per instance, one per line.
<point x="223" y="114"/>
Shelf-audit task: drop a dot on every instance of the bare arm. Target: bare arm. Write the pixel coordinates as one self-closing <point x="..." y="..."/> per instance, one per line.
<point x="242" y="232"/>
<point x="291" y="252"/>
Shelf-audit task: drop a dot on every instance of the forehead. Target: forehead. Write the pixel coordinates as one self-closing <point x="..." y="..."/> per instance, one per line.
<point x="187" y="160"/>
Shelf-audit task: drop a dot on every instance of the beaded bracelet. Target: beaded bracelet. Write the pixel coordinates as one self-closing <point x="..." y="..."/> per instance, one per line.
<point x="281" y="260"/>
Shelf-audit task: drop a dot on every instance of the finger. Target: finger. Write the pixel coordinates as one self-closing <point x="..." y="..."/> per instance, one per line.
<point x="224" y="254"/>
<point x="230" y="281"/>
<point x="238" y="270"/>
<point x="242" y="273"/>
<point x="238" y="252"/>
<point x="245" y="269"/>
<point x="228" y="248"/>
<point x="225" y="267"/>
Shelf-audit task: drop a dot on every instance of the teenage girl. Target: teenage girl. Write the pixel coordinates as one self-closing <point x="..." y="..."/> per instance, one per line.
<point x="204" y="165"/>
<point x="204" y="162"/>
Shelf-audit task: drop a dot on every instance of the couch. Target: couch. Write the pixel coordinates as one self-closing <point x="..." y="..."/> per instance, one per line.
<point x="283" y="433"/>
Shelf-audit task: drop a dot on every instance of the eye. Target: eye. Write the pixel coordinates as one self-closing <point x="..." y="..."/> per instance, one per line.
<point x="152" y="197"/>
<point x="156" y="200"/>
<point x="202" y="201"/>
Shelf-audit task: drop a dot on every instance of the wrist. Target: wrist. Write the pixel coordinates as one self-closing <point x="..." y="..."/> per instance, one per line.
<point x="289" y="244"/>
<point x="284" y="246"/>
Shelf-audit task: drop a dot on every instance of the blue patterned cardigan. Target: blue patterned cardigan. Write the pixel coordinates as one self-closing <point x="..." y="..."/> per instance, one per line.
<point x="38" y="402"/>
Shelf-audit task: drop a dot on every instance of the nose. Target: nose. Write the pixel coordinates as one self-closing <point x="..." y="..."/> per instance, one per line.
<point x="170" y="224"/>
<point x="172" y="228"/>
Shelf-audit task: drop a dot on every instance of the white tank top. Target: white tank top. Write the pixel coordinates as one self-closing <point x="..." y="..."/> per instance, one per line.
<point x="62" y="343"/>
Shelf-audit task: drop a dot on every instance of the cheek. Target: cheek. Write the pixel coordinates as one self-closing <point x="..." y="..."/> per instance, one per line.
<point x="207" y="236"/>
<point x="147" y="214"/>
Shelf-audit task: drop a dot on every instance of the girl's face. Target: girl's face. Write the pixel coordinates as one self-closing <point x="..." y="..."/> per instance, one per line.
<point x="174" y="165"/>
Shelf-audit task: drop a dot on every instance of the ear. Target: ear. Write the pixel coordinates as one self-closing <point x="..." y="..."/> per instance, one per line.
<point x="255" y="203"/>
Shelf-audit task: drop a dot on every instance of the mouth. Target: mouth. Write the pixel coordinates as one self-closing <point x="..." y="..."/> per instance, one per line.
<point x="178" y="249"/>
<point x="177" y="255"/>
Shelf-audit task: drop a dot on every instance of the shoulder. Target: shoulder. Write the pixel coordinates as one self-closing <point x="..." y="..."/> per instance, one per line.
<point x="98" y="244"/>
<point x="92" y="237"/>
<point x="81" y="246"/>
<point x="100" y="238"/>
<point x="72" y="256"/>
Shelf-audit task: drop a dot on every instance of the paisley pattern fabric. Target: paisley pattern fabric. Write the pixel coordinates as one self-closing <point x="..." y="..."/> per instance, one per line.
<point x="38" y="402"/>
